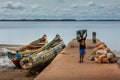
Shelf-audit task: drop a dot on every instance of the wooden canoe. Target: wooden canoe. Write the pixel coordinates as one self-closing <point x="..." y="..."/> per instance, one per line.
<point x="38" y="60"/>
<point x="16" y="55"/>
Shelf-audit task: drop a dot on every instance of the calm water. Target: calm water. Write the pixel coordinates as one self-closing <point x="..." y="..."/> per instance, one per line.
<point x="25" y="32"/>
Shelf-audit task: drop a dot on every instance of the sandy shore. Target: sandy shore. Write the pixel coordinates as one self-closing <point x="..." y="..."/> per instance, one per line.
<point x="66" y="67"/>
<point x="16" y="74"/>
<point x="8" y="71"/>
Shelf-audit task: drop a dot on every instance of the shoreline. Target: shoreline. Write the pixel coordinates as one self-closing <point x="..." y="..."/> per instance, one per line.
<point x="67" y="59"/>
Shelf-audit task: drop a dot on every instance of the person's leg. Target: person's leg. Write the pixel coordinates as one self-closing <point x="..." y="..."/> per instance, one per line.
<point x="80" y="59"/>
<point x="80" y="56"/>
<point x="83" y="53"/>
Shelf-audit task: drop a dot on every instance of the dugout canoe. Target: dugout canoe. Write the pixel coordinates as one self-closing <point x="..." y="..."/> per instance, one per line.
<point x="16" y="55"/>
<point x="38" y="60"/>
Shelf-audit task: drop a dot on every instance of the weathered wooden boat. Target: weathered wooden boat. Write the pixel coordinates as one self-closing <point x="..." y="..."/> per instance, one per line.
<point x="16" y="55"/>
<point x="38" y="60"/>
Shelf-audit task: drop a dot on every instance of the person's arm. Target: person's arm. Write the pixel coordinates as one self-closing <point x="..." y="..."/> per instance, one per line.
<point x="79" y="39"/>
<point x="85" y="35"/>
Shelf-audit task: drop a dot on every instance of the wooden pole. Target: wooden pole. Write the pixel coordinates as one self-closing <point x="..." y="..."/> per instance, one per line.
<point x="94" y="37"/>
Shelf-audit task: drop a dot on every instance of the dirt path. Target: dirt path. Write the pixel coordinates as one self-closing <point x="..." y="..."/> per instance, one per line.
<point x="66" y="66"/>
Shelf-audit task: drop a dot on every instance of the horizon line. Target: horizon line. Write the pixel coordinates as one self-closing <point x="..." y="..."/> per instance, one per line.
<point x="59" y="20"/>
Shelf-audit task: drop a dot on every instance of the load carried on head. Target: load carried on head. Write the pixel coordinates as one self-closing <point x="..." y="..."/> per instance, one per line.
<point x="102" y="54"/>
<point x="80" y="33"/>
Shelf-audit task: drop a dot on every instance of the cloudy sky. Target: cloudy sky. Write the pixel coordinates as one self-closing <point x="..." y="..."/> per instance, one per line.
<point x="60" y="9"/>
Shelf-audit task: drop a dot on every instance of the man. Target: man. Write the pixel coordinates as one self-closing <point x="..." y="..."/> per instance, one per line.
<point x="82" y="45"/>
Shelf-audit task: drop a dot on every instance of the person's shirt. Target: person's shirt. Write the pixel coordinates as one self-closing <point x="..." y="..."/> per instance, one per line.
<point x="82" y="44"/>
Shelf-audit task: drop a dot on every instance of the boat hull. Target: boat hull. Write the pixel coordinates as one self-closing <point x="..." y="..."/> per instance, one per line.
<point x="16" y="62"/>
<point x="41" y="61"/>
<point x="16" y="55"/>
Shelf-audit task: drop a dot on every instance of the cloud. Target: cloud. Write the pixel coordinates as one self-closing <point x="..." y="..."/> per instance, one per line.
<point x="91" y="3"/>
<point x="35" y="6"/>
<point x="60" y="1"/>
<point x="13" y="5"/>
<point x="101" y="6"/>
<point x="74" y="6"/>
<point x="66" y="10"/>
<point x="61" y="11"/>
<point x="15" y="9"/>
<point x="11" y="9"/>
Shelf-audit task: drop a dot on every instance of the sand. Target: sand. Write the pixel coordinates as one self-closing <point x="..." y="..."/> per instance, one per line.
<point x="16" y="74"/>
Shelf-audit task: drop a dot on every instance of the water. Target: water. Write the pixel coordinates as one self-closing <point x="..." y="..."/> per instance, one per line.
<point x="25" y="32"/>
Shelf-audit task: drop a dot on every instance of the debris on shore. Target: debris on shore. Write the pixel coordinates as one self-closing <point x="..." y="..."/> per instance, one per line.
<point x="102" y="54"/>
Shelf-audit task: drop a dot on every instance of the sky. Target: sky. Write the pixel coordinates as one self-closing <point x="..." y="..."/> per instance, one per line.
<point x="60" y="9"/>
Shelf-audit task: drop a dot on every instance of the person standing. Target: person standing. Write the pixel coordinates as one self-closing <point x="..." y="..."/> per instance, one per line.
<point x="82" y="46"/>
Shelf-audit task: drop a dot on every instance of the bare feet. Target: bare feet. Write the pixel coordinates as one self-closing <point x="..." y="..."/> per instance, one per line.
<point x="79" y="61"/>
